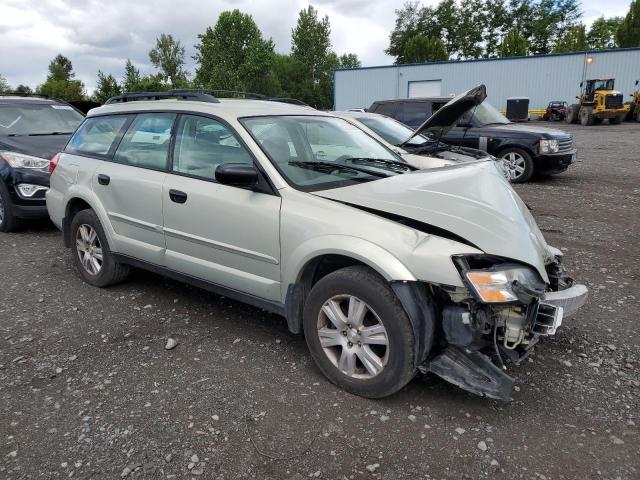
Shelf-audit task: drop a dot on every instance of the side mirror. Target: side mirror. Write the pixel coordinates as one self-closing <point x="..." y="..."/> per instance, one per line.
<point x="237" y="174"/>
<point x="577" y="97"/>
<point x="637" y="82"/>
<point x="581" y="83"/>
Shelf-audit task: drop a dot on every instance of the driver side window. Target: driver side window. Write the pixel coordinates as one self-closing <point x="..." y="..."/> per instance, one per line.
<point x="202" y="144"/>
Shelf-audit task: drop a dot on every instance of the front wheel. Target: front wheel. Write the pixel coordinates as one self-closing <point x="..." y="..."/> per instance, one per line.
<point x="94" y="261"/>
<point x="518" y="164"/>
<point x="358" y="333"/>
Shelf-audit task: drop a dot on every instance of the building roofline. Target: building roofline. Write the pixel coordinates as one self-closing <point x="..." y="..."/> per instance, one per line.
<point x="494" y="59"/>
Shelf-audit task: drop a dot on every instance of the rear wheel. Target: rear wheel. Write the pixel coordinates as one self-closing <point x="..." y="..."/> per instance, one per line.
<point x="586" y="116"/>
<point x="518" y="164"/>
<point x="8" y="221"/>
<point x="94" y="261"/>
<point x="358" y="333"/>
<point x="572" y="114"/>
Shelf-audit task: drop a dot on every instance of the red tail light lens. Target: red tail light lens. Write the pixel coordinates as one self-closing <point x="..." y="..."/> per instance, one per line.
<point x="53" y="163"/>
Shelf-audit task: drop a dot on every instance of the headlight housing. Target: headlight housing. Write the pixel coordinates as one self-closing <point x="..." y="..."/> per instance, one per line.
<point x="549" y="146"/>
<point x="20" y="160"/>
<point x="505" y="283"/>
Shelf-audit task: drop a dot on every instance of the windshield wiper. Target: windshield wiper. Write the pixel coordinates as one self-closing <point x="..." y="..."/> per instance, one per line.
<point x="383" y="161"/>
<point x="333" y="166"/>
<point x="47" y="134"/>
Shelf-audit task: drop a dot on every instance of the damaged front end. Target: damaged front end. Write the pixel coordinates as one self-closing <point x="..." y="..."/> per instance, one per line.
<point x="496" y="319"/>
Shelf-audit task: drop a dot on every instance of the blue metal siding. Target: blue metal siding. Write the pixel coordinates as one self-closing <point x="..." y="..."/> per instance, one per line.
<point x="541" y="78"/>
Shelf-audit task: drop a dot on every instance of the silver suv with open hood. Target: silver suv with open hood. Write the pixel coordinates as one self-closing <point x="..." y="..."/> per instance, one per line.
<point x="385" y="269"/>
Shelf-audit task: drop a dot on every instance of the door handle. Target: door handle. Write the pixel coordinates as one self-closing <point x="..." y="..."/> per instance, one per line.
<point x="103" y="179"/>
<point x="177" y="196"/>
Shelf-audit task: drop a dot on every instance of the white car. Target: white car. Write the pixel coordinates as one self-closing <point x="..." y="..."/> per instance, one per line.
<point x="386" y="270"/>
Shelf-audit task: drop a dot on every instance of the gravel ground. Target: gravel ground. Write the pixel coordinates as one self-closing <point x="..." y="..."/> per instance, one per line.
<point x="87" y="389"/>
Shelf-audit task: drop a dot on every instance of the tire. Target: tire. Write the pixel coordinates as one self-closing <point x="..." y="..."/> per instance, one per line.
<point x="572" y="114"/>
<point x="8" y="221"/>
<point x="89" y="241"/>
<point x="586" y="116"/>
<point x="355" y="286"/>
<point x="518" y="163"/>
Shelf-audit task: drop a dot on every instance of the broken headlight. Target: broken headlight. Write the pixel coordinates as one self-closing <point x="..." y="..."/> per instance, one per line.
<point x="505" y="283"/>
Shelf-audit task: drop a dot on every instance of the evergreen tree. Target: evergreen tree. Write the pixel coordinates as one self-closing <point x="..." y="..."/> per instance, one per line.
<point x="628" y="33"/>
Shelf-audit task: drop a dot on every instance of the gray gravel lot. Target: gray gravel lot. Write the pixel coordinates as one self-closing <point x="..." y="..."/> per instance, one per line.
<point x="87" y="389"/>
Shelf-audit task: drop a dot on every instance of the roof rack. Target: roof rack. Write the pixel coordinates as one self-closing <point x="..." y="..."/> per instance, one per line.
<point x="183" y="94"/>
<point x="199" y="95"/>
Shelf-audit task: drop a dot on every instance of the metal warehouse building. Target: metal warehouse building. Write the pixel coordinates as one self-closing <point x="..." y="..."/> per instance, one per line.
<point x="542" y="78"/>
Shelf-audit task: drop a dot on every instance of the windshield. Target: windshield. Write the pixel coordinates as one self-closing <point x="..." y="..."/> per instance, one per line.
<point x="392" y="131"/>
<point x="38" y="119"/>
<point x="483" y="114"/>
<point x="603" y="84"/>
<point x="316" y="153"/>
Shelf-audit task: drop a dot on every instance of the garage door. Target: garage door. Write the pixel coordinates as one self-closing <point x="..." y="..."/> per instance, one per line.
<point x="425" y="88"/>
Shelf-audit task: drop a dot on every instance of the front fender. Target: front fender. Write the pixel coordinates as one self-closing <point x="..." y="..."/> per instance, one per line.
<point x="376" y="257"/>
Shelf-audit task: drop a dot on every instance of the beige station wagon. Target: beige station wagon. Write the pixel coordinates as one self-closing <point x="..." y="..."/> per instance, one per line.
<point x="386" y="269"/>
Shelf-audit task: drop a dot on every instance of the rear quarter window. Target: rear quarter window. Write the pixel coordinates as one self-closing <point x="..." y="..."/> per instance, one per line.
<point x="387" y="109"/>
<point x="97" y="135"/>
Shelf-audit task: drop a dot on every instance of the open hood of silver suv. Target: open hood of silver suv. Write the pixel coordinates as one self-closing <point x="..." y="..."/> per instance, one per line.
<point x="447" y="116"/>
<point x="472" y="201"/>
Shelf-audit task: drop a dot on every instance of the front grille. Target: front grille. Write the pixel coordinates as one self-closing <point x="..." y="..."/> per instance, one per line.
<point x="565" y="144"/>
<point x="613" y="100"/>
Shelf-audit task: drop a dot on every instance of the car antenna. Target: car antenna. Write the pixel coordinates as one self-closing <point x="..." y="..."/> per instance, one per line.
<point x="473" y="112"/>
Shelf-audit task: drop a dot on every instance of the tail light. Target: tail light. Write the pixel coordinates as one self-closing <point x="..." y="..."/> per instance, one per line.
<point x="53" y="163"/>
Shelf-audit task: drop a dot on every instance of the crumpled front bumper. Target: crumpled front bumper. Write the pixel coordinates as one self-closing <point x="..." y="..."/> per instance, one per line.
<point x="570" y="299"/>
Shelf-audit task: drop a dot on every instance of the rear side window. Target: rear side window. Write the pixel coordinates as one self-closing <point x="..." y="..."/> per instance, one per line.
<point x="97" y="135"/>
<point x="387" y="109"/>
<point x="202" y="144"/>
<point x="146" y="143"/>
<point x="413" y="113"/>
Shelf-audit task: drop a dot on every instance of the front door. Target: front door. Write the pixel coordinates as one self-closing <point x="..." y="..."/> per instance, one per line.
<point x="225" y="235"/>
<point x="130" y="187"/>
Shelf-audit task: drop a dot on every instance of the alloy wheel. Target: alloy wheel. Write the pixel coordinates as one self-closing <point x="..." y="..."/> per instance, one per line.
<point x="514" y="164"/>
<point x="89" y="249"/>
<point x="353" y="337"/>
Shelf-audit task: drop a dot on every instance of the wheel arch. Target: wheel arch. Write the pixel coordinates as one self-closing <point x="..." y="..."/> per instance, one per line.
<point x="320" y="256"/>
<point x="76" y="202"/>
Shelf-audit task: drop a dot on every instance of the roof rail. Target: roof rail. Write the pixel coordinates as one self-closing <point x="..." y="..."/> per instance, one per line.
<point x="181" y="94"/>
<point x="18" y="94"/>
<point x="199" y="95"/>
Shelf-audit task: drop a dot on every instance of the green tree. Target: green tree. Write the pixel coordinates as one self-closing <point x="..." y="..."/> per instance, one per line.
<point x="419" y="48"/>
<point x="311" y="46"/>
<point x="575" y="40"/>
<point x="107" y="87"/>
<point x="349" y="60"/>
<point x="60" y="83"/>
<point x="4" y="85"/>
<point x="23" y="90"/>
<point x="168" y="57"/>
<point x="233" y="55"/>
<point x="474" y="28"/>
<point x="513" y="44"/>
<point x="602" y="33"/>
<point x="131" y="81"/>
<point x="628" y="33"/>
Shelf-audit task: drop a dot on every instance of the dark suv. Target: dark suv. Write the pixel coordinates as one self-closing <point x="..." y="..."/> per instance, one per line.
<point x="32" y="130"/>
<point x="524" y="149"/>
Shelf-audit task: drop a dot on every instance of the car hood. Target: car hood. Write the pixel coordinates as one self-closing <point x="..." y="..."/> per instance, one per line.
<point x="520" y="130"/>
<point x="472" y="201"/>
<point x="43" y="146"/>
<point x="447" y="116"/>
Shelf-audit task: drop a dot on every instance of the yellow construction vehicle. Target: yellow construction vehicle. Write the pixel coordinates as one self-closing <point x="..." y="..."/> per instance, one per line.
<point x="598" y="100"/>
<point x="634" y="114"/>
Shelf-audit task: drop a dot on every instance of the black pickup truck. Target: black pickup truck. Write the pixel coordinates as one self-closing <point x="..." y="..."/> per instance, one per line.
<point x="524" y="149"/>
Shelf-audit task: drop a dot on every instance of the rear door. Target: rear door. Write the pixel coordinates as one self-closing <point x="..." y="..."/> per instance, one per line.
<point x="130" y="186"/>
<point x="226" y="235"/>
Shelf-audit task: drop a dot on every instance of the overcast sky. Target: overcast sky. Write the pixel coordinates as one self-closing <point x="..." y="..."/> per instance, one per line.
<point x="102" y="34"/>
